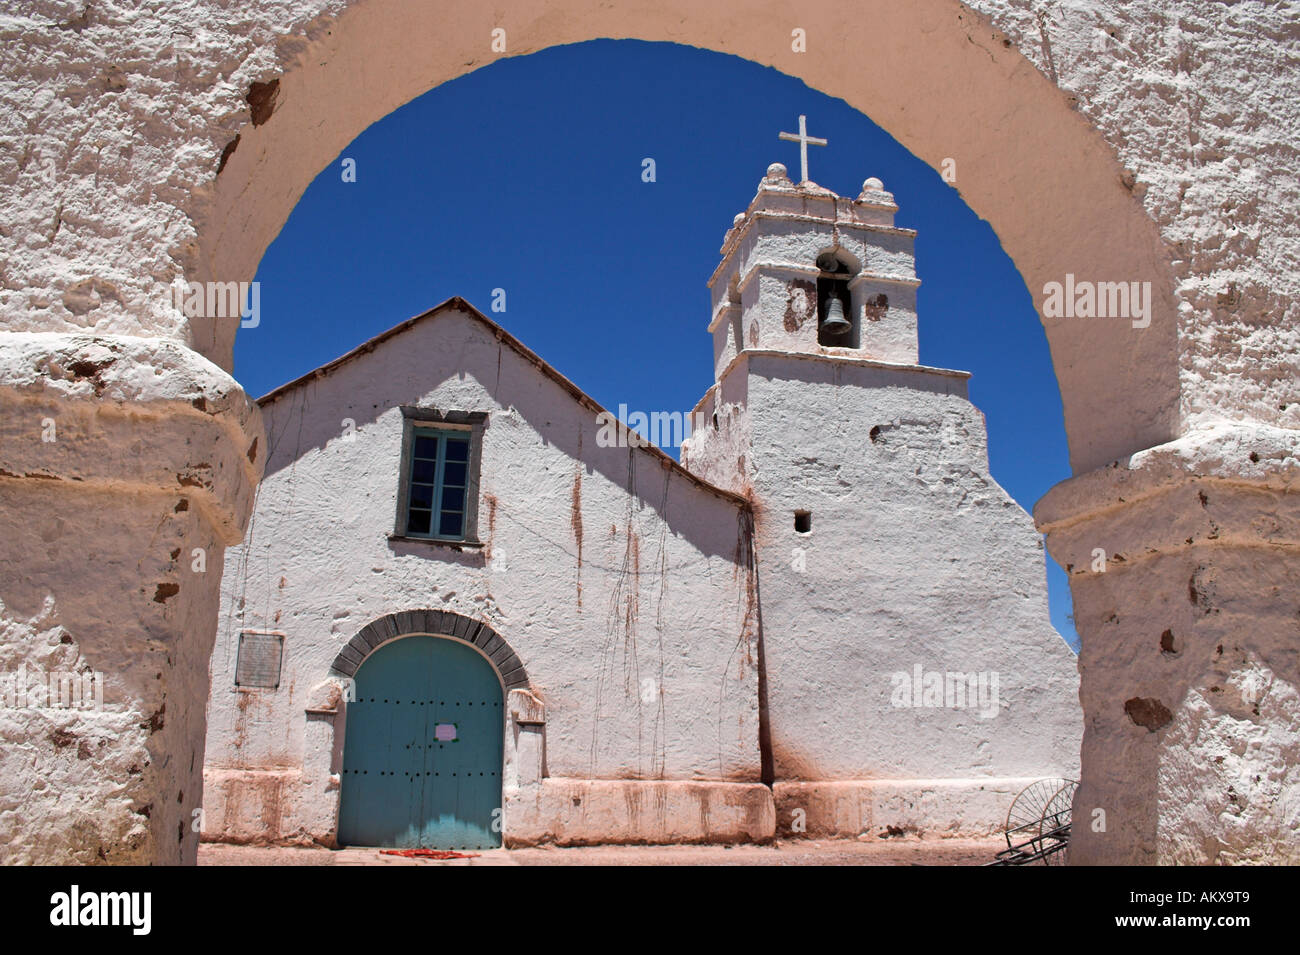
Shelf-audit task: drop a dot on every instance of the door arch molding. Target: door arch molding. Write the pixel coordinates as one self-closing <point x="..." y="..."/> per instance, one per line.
<point x="439" y="623"/>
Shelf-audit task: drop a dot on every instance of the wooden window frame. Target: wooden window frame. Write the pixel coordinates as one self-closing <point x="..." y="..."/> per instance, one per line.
<point x="473" y="423"/>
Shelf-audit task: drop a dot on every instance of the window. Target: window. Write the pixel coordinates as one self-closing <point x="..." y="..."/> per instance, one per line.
<point x="438" y="491"/>
<point x="439" y="466"/>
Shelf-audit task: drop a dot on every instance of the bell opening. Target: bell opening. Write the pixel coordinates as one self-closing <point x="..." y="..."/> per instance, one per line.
<point x="835" y="326"/>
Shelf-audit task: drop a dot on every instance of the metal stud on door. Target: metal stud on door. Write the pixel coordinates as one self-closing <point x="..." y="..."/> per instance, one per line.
<point x="422" y="755"/>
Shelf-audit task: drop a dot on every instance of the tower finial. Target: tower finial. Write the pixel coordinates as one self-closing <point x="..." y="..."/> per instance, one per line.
<point x="804" y="140"/>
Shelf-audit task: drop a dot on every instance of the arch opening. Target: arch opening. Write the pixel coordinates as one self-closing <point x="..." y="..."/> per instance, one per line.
<point x="1030" y="165"/>
<point x="861" y="305"/>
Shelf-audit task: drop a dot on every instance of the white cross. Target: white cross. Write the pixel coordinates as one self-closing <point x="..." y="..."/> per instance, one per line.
<point x="803" y="139"/>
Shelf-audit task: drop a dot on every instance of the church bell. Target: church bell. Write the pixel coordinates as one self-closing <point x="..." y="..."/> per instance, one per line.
<point x="835" y="322"/>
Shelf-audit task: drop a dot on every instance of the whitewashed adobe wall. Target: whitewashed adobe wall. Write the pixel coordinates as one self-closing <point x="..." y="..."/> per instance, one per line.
<point x="614" y="577"/>
<point x="917" y="558"/>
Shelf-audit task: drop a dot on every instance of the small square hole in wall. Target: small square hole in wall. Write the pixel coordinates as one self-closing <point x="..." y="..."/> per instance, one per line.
<point x="803" y="521"/>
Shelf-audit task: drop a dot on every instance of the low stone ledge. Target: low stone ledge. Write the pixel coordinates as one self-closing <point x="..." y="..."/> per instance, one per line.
<point x="266" y="807"/>
<point x="130" y="415"/>
<point x="577" y="812"/>
<point x="256" y="807"/>
<point x="1227" y="486"/>
<point x="883" y="808"/>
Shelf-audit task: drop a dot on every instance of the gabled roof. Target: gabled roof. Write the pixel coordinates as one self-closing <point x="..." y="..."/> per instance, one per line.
<point x="458" y="304"/>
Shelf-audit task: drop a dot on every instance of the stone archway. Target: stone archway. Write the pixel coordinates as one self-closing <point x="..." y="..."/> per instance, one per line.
<point x="443" y="623"/>
<point x="946" y="84"/>
<point x="1074" y="135"/>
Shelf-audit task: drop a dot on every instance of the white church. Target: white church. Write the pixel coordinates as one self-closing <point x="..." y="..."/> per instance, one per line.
<point x="460" y="619"/>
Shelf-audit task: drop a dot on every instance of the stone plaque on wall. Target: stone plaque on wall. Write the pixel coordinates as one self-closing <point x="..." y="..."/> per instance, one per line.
<point x="258" y="663"/>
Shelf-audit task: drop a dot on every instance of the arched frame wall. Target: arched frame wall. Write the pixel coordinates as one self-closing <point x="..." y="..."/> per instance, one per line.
<point x="937" y="78"/>
<point x="1145" y="141"/>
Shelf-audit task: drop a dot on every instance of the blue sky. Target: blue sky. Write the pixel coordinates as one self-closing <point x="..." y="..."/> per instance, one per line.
<point x="526" y="175"/>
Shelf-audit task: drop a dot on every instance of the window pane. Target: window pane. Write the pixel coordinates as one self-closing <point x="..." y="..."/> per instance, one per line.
<point x="437" y="482"/>
<point x="418" y="522"/>
<point x="453" y="499"/>
<point x="454" y="473"/>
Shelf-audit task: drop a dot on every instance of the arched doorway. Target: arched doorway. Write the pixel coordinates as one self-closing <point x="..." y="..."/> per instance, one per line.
<point x="422" y="755"/>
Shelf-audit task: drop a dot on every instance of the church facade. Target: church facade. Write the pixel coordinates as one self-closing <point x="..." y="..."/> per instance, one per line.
<point x="463" y="617"/>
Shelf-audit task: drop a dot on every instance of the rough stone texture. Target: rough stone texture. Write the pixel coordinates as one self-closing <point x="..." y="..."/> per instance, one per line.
<point x="123" y="413"/>
<point x="1189" y="664"/>
<point x="1147" y="140"/>
<point x="1232" y="781"/>
<point x="113" y="474"/>
<point x="1199" y="102"/>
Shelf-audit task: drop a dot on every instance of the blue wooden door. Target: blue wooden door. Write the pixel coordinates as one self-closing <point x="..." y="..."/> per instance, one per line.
<point x="422" y="754"/>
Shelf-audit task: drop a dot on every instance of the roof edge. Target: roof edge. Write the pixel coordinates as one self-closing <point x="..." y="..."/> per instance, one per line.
<point x="457" y="303"/>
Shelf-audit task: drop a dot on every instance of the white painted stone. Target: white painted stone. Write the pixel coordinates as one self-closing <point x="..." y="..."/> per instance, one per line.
<point x="1228" y="788"/>
<point x="915" y="557"/>
<point x="576" y="812"/>
<point x="1099" y="138"/>
<point x="1178" y="767"/>
<point x="113" y="474"/>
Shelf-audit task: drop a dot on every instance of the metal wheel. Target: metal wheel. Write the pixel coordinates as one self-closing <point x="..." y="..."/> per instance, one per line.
<point x="1056" y="823"/>
<point x="1025" y="817"/>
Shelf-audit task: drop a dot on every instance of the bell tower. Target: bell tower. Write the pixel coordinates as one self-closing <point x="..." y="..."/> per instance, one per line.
<point x="886" y="556"/>
<point x="805" y="270"/>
